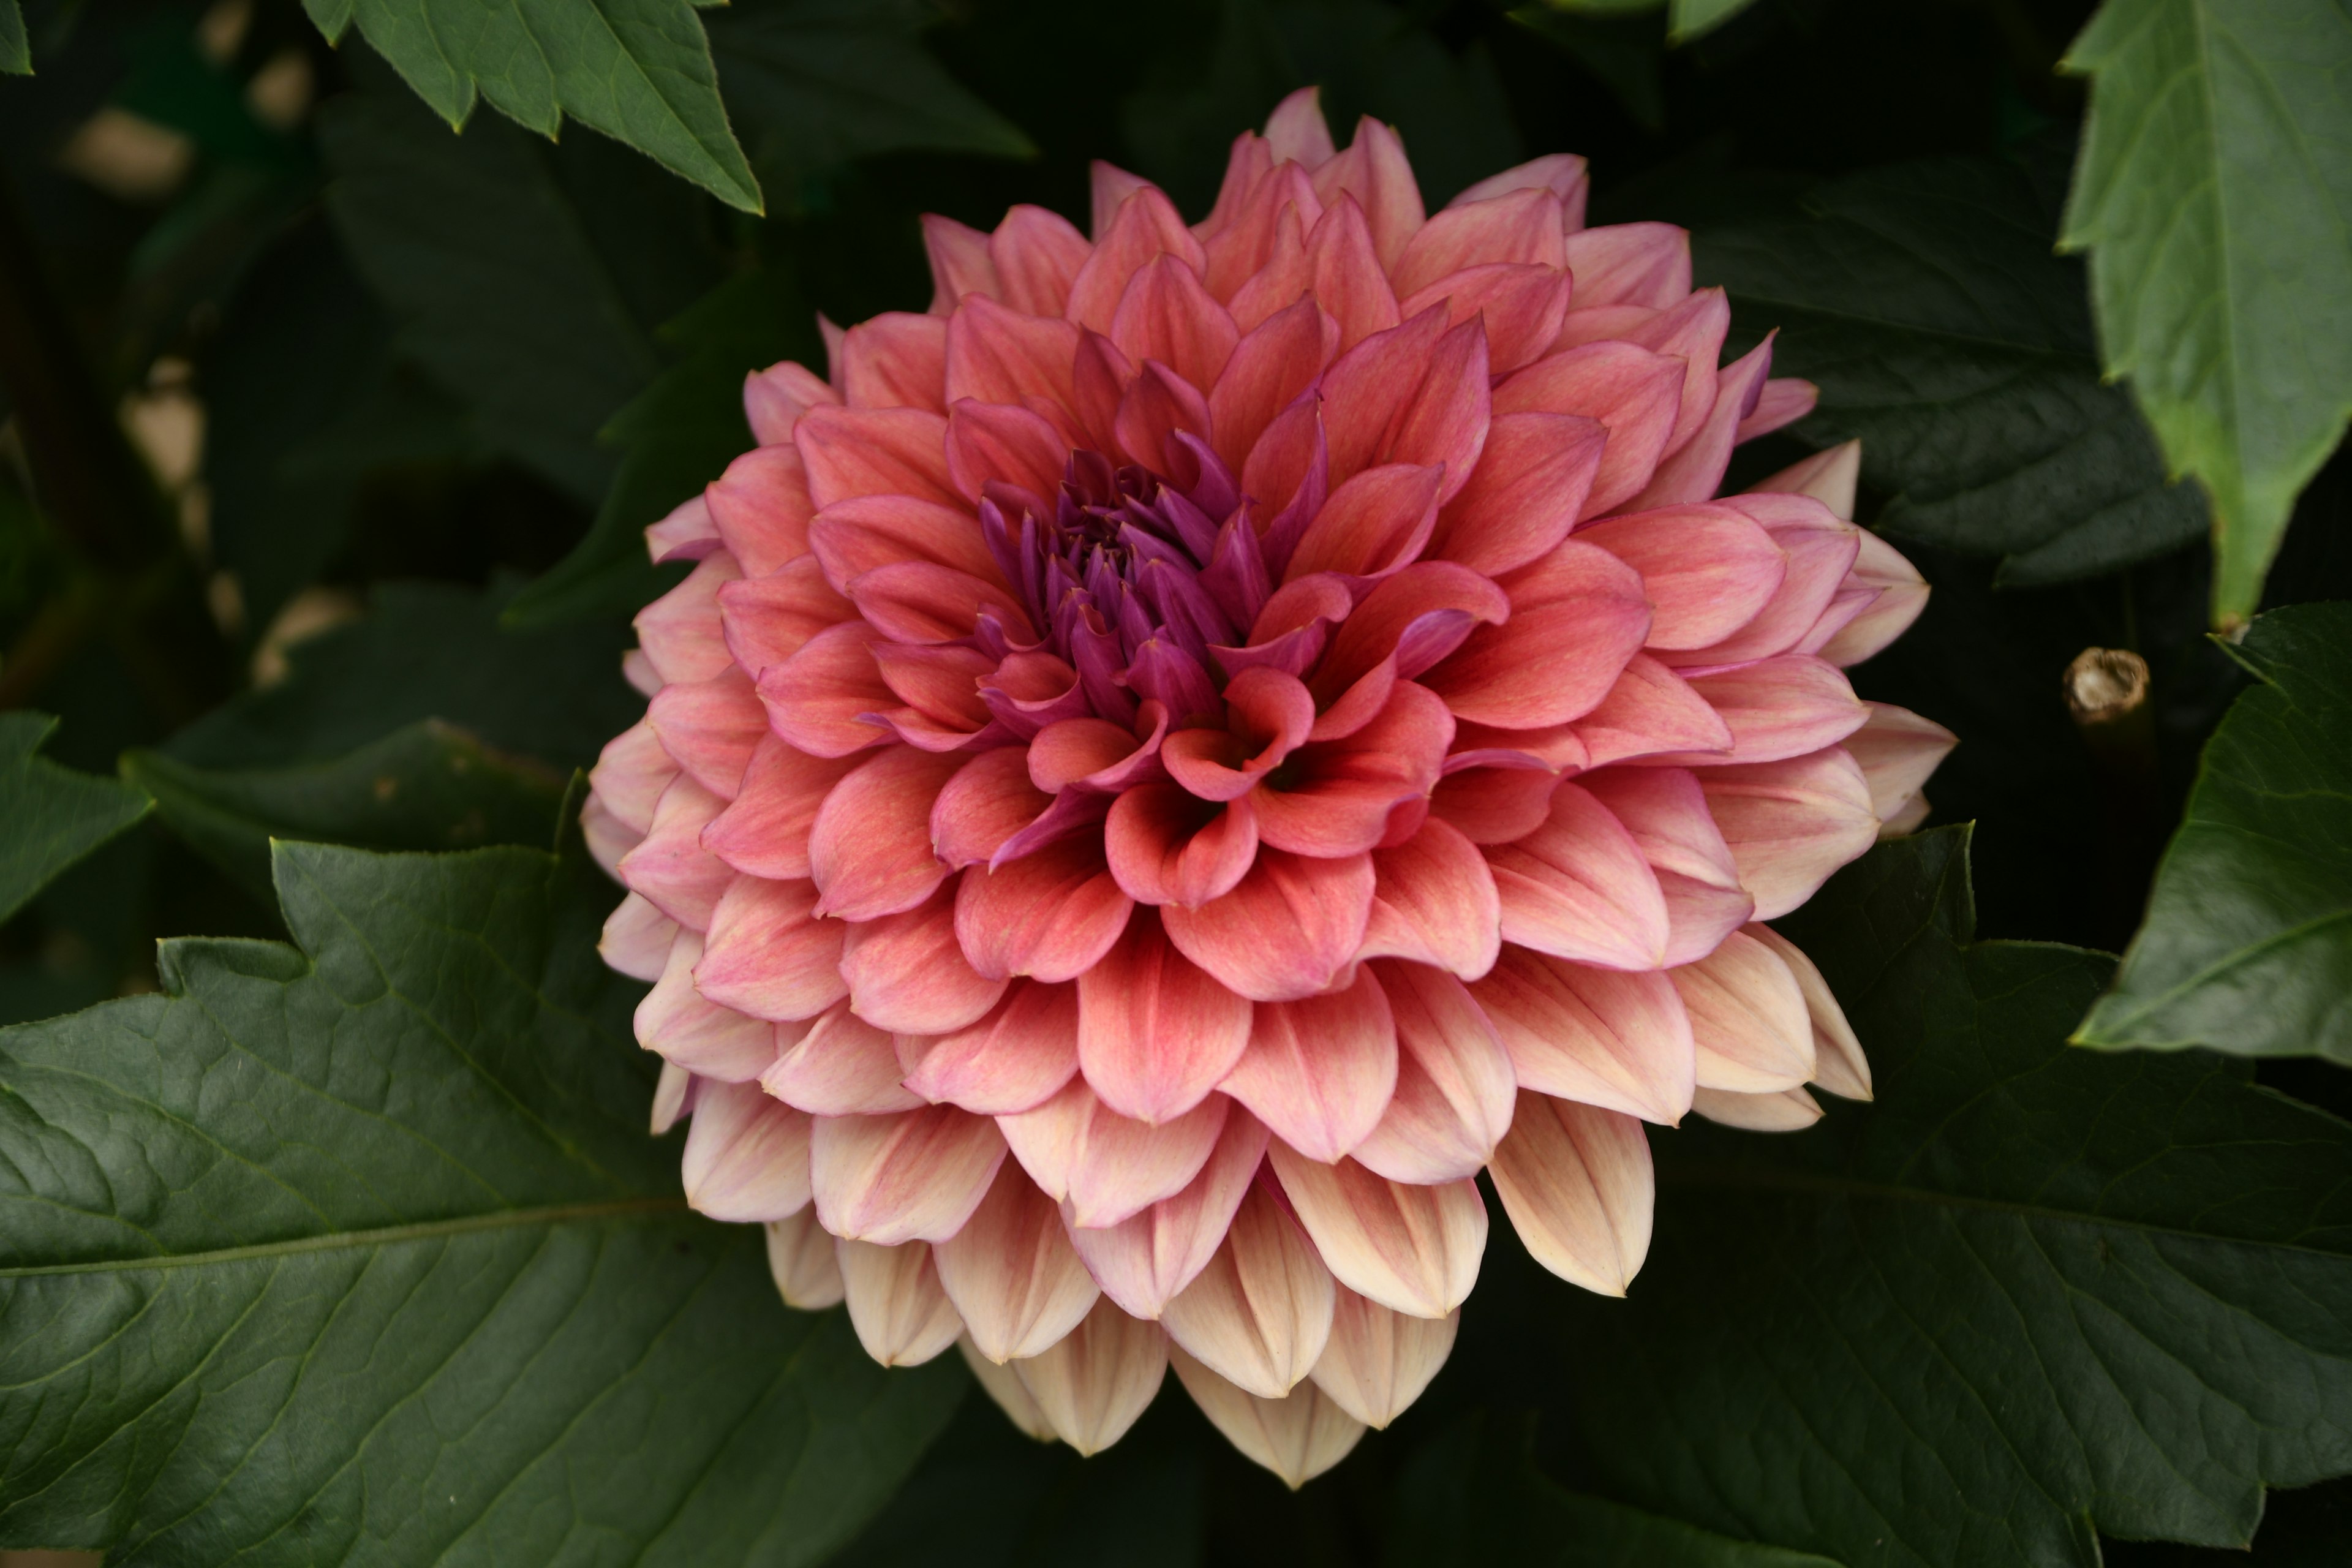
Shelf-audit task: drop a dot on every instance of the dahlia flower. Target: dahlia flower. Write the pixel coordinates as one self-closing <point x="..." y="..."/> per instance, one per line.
<point x="1172" y="762"/>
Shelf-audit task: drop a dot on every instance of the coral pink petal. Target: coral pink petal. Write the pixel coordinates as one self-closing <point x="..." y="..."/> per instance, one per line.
<point x="1144" y="225"/>
<point x="1777" y="708"/>
<point x="1013" y="1059"/>
<point x="907" y="973"/>
<point x="1050" y="915"/>
<point x="761" y="509"/>
<point x="1577" y="1183"/>
<point x="895" y="360"/>
<point x="1900" y="595"/>
<point x="1414" y="1249"/>
<point x="997" y="441"/>
<point x="636" y="938"/>
<point x="1454" y="1087"/>
<point x="631" y="773"/>
<point x="1348" y="278"/>
<point x="1434" y="902"/>
<point x="870" y="845"/>
<point x="1521" y="226"/>
<point x="1578" y="888"/>
<point x="1665" y="811"/>
<point x="694" y="1033"/>
<point x="769" y="619"/>
<point x="1148" y="1256"/>
<point x="1285" y="931"/>
<point x="1298" y="132"/>
<point x="1319" y="1071"/>
<point x="997" y="355"/>
<point x="987" y="801"/>
<point x="1155" y="1032"/>
<point x="679" y="632"/>
<point x="1498" y="800"/>
<point x="1528" y="489"/>
<point x="1645" y="264"/>
<point x="1592" y="1035"/>
<point x="1650" y="711"/>
<point x="1037" y="255"/>
<point x="916" y="1176"/>
<point x="1263" y="374"/>
<point x="1334" y="797"/>
<point x="1562" y="173"/>
<point x="1520" y="309"/>
<point x="1166" y="845"/>
<point x="855" y="452"/>
<point x="1375" y="173"/>
<point x="775" y="398"/>
<point x="921" y="602"/>
<point x="747" y="1156"/>
<point x="768" y="954"/>
<point x="843" y="1066"/>
<point x="671" y="867"/>
<point x="1630" y="391"/>
<point x="1707" y="570"/>
<point x="711" y="728"/>
<point x="1897" y="750"/>
<point x="1577" y="614"/>
<point x="959" y="262"/>
<point x="1791" y="824"/>
<point x="1696" y="471"/>
<point x="1165" y="315"/>
<point x="1106" y="1166"/>
<point x="817" y="699"/>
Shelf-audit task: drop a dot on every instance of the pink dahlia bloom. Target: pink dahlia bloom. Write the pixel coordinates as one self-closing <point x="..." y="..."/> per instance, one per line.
<point x="1172" y="762"/>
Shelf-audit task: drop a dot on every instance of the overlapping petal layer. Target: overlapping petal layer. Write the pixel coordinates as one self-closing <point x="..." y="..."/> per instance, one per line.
<point x="1171" y="763"/>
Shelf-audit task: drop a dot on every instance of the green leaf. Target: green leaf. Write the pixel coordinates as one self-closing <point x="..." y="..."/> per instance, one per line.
<point x="675" y="436"/>
<point x="357" y="1251"/>
<point x="428" y="786"/>
<point x="637" y="71"/>
<point x="1626" y="54"/>
<point x="15" y="47"/>
<point x="428" y="651"/>
<point x="1923" y="301"/>
<point x="1689" y="19"/>
<point x="819" y="82"/>
<point x="2031" y="1294"/>
<point x="2215" y="195"/>
<point x="520" y="276"/>
<point x="2248" y="943"/>
<point x="55" y="815"/>
<point x="1473" y="1496"/>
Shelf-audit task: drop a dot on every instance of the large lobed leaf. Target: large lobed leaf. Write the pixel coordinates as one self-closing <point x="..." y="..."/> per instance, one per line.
<point x="2248" y="942"/>
<point x="357" y="1252"/>
<point x="54" y="815"/>
<point x="2033" y="1294"/>
<point x="638" y="70"/>
<point x="2215" y="194"/>
<point x="1923" y="301"/>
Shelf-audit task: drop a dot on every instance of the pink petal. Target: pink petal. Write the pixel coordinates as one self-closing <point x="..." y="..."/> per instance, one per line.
<point x="1270" y="714"/>
<point x="1633" y="392"/>
<point x="1259" y="1314"/>
<point x="1665" y="811"/>
<point x="670" y="866"/>
<point x="1148" y="1256"/>
<point x="1749" y="1018"/>
<point x="1578" y="888"/>
<point x="1528" y="489"/>
<point x="902" y="1315"/>
<point x="1791" y="824"/>
<point x="1375" y="172"/>
<point x="1901" y="594"/>
<point x="1645" y="264"/>
<point x="1707" y="570"/>
<point x="817" y="697"/>
<point x="1821" y="552"/>
<point x="761" y="509"/>
<point x="997" y="355"/>
<point x="993" y="441"/>
<point x="1577" y="1182"/>
<point x="959" y="262"/>
<point x="1414" y="1249"/>
<point x="1012" y="1272"/>
<point x="1651" y="711"/>
<point x="1166" y="845"/>
<point x="1334" y="797"/>
<point x="1319" y="1071"/>
<point x="870" y="845"/>
<point x="631" y="773"/>
<point x="1037" y="255"/>
<point x="747" y="1156"/>
<point x="988" y="800"/>
<point x="1378" y="1361"/>
<point x="1495" y="805"/>
<point x="1104" y="1165"/>
<point x="1777" y="708"/>
<point x="1577" y="614"/>
<point x="1455" y="1086"/>
<point x="1015" y="1059"/>
<point x="1144" y="225"/>
<point x="711" y="727"/>
<point x="1783" y="401"/>
<point x="1897" y="750"/>
<point x="769" y="619"/>
<point x="1092" y="1385"/>
<point x="765" y="831"/>
<point x="1050" y="915"/>
<point x="916" y="1176"/>
<point x="1268" y="370"/>
<point x="1295" y="130"/>
<point x="713" y="1042"/>
<point x="1165" y="315"/>
<point x="636" y="938"/>
<point x="1562" y="173"/>
<point x="1830" y="476"/>
<point x="1520" y="308"/>
<point x="907" y="973"/>
<point x="1592" y="1035"/>
<point x="843" y="1066"/>
<point x="919" y="602"/>
<point x="1155" y="1032"/>
<point x="775" y="398"/>
<point x="895" y="360"/>
<point x="1156" y="407"/>
<point x="1696" y="471"/>
<point x="680" y="631"/>
<point x="874" y="451"/>
<point x="1434" y="902"/>
<point x="1285" y="931"/>
<point x="1522" y="225"/>
<point x="1349" y="280"/>
<point x="769" y="955"/>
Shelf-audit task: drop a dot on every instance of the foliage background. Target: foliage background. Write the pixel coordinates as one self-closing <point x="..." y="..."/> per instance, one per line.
<point x="329" y="432"/>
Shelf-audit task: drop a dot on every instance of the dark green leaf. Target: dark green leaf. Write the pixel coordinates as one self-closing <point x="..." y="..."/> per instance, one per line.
<point x="637" y="71"/>
<point x="358" y="1252"/>
<point x="2308" y="1529"/>
<point x="525" y="299"/>
<point x="1473" y="1496"/>
<point x="2033" y="1294"/>
<point x="675" y="436"/>
<point x="428" y="651"/>
<point x="15" y="48"/>
<point x="819" y="82"/>
<point x="428" y="786"/>
<point x="1625" y="52"/>
<point x="2215" y="194"/>
<point x="1925" y="301"/>
<point x="55" y="815"/>
<point x="2248" y="942"/>
<point x="1689" y="19"/>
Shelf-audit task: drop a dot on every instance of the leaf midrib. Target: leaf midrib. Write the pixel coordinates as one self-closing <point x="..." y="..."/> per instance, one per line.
<point x="384" y="1236"/>
<point x="1704" y="1176"/>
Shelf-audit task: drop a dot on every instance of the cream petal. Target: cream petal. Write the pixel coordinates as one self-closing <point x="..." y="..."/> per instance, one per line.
<point x="1749" y="1018"/>
<point x="902" y="1315"/>
<point x="1839" y="1064"/>
<point x="1004" y="1385"/>
<point x="747" y="1155"/>
<point x="1789" y="1111"/>
<point x="800" y="1258"/>
<point x="1260" y="1312"/>
<point x="1412" y="1248"/>
<point x="1148" y="1256"/>
<point x="1378" y="1361"/>
<point x="1297" y="1438"/>
<point x="1012" y="1272"/>
<point x="1577" y="1183"/>
<point x="1092" y="1385"/>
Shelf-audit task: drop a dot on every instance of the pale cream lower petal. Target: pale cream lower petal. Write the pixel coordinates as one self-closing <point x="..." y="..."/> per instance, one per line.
<point x="1790" y="1110"/>
<point x="902" y="1315"/>
<point x="1012" y="1272"/>
<point x="1012" y="1396"/>
<point x="1412" y="1248"/>
<point x="1297" y="1438"/>
<point x="1747" y="1017"/>
<point x="1378" y="1361"/>
<point x="799" y="1256"/>
<point x="1092" y="1385"/>
<point x="1576" y="1181"/>
<point x="1260" y="1312"/>
<point x="1839" y="1064"/>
